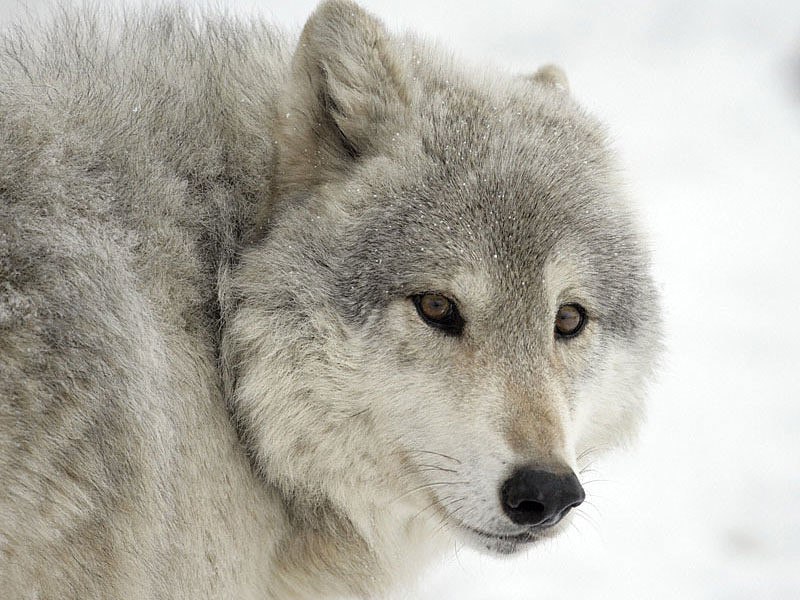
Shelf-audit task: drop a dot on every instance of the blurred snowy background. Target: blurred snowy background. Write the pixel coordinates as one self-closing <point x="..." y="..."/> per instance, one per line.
<point x="703" y="101"/>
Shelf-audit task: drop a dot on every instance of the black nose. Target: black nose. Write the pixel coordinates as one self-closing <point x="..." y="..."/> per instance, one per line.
<point x="533" y="497"/>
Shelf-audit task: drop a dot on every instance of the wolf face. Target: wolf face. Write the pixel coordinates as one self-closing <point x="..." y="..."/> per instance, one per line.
<point x="449" y="308"/>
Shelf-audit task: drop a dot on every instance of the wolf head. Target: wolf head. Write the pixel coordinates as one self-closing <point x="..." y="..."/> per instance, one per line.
<point x="449" y="308"/>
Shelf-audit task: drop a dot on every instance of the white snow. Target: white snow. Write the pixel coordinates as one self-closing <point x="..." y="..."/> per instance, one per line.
<point x="703" y="100"/>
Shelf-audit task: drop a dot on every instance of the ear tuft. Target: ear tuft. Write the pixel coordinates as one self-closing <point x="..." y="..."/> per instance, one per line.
<point x="346" y="93"/>
<point x="551" y="75"/>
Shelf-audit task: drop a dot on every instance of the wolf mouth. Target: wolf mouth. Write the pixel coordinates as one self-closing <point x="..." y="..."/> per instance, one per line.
<point x="500" y="543"/>
<point x="512" y="539"/>
<point x="525" y="536"/>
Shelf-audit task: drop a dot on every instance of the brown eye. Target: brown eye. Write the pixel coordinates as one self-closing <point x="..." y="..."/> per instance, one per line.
<point x="570" y="320"/>
<point x="434" y="306"/>
<point x="439" y="311"/>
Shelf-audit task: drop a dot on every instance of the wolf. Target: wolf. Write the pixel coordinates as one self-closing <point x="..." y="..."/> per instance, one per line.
<point x="290" y="317"/>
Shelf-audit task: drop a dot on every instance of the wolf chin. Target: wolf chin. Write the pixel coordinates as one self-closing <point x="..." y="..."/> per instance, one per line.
<point x="287" y="318"/>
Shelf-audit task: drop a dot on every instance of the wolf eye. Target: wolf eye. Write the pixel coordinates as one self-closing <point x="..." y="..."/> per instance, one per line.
<point x="439" y="311"/>
<point x="570" y="320"/>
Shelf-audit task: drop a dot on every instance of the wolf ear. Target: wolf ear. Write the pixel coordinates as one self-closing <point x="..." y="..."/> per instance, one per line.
<point x="551" y="75"/>
<point x="345" y="96"/>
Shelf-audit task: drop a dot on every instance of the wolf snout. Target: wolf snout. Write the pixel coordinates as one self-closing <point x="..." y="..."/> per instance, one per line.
<point x="536" y="497"/>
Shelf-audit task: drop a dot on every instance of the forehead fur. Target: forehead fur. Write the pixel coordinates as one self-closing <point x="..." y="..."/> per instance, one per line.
<point x="509" y="177"/>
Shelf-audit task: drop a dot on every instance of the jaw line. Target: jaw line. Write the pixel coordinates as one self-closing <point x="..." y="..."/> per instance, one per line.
<point x="497" y="543"/>
<point x="506" y="543"/>
<point x="516" y="537"/>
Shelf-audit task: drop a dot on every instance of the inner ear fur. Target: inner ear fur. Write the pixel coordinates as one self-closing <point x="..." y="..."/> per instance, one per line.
<point x="346" y="96"/>
<point x="551" y="75"/>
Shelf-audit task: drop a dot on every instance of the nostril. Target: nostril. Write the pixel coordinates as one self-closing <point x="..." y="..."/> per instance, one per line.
<point x="534" y="497"/>
<point x="529" y="507"/>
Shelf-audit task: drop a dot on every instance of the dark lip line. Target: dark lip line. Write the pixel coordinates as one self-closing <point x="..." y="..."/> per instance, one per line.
<point x="517" y="537"/>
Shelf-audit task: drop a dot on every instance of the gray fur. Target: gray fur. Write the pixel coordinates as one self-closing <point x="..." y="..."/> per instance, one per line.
<point x="212" y="380"/>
